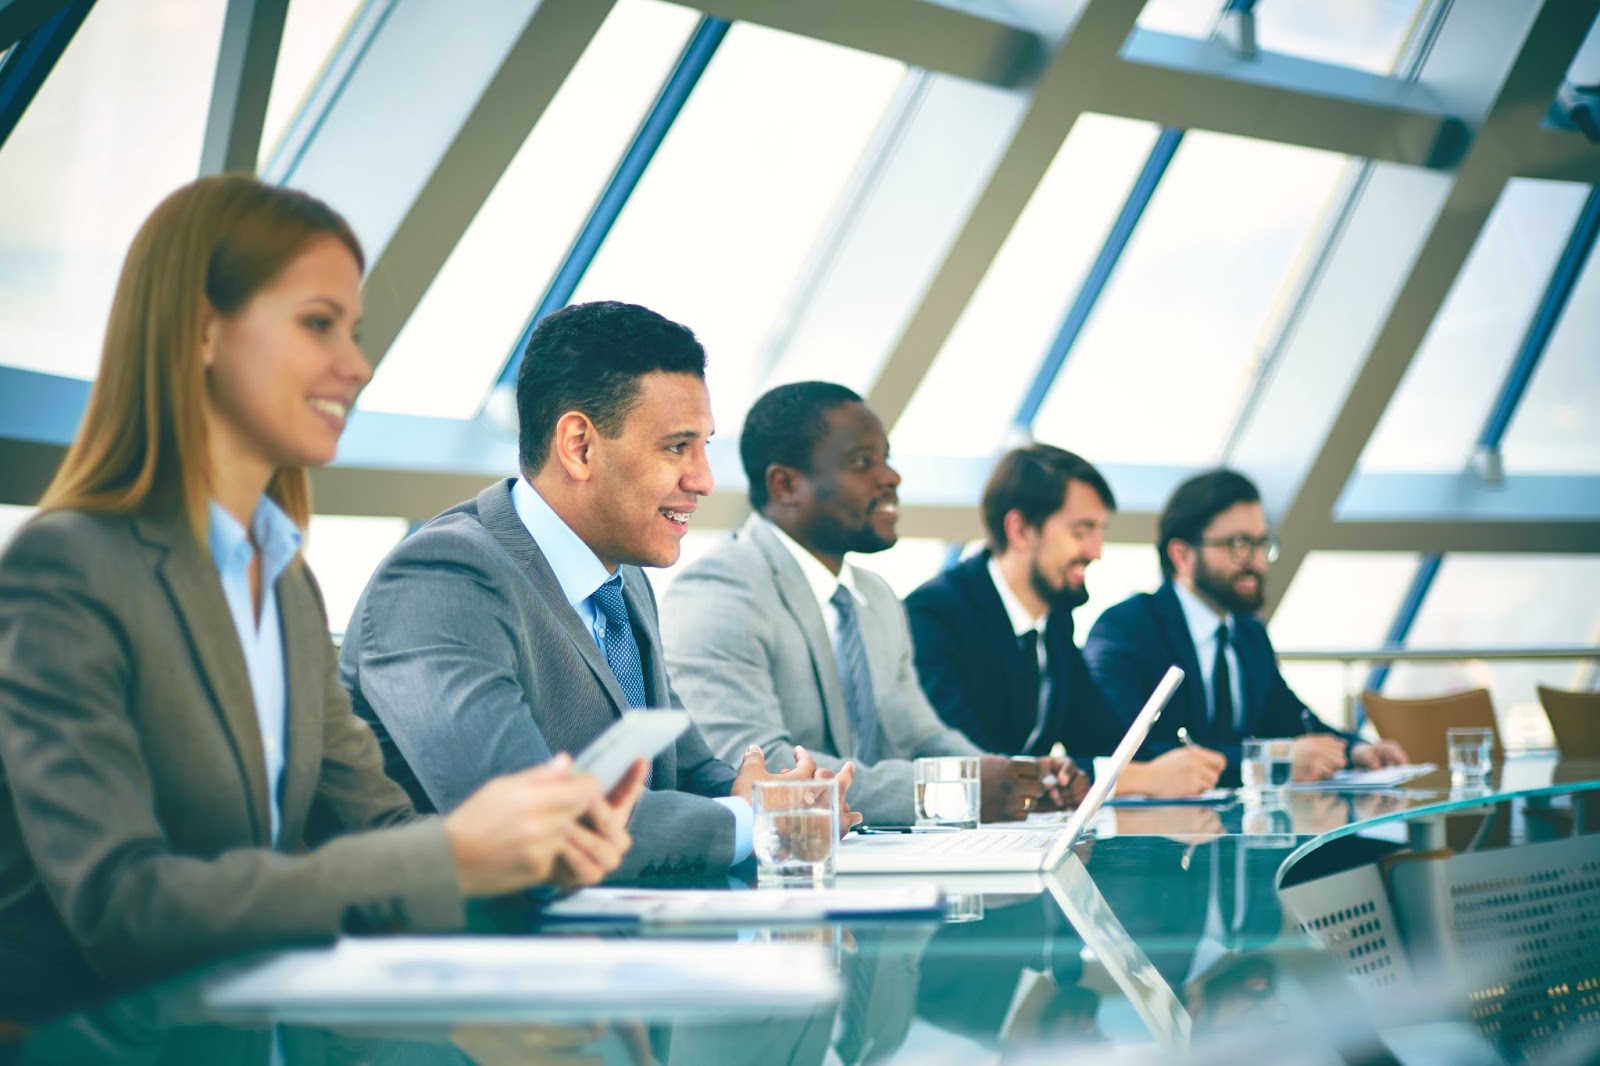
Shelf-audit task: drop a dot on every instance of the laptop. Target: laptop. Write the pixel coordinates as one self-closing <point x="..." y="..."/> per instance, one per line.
<point x="1001" y="849"/>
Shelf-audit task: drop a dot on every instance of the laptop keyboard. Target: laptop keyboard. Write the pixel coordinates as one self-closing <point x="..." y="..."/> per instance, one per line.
<point x="992" y="841"/>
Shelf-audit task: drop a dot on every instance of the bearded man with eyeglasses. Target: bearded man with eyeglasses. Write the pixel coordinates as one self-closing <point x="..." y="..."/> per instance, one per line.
<point x="1215" y="550"/>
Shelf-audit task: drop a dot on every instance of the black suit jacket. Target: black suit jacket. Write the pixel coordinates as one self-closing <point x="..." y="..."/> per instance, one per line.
<point x="1132" y="645"/>
<point x="977" y="676"/>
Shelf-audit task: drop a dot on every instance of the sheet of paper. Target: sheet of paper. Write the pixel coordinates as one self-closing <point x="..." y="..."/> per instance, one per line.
<point x="1383" y="777"/>
<point x="1219" y="797"/>
<point x="763" y="906"/>
<point x="431" y="978"/>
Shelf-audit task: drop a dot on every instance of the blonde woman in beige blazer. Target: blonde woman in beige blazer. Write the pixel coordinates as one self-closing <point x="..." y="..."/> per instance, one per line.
<point x="182" y="778"/>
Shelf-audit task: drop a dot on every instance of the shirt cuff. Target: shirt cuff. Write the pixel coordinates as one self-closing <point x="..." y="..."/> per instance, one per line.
<point x="744" y="827"/>
<point x="1102" y="767"/>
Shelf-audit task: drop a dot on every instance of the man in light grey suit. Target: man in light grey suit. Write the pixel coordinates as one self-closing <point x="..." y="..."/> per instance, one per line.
<point x="518" y="624"/>
<point x="774" y="641"/>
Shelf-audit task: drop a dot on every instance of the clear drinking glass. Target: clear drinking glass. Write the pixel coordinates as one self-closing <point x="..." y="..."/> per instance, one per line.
<point x="796" y="831"/>
<point x="1471" y="751"/>
<point x="1266" y="765"/>
<point x="948" y="791"/>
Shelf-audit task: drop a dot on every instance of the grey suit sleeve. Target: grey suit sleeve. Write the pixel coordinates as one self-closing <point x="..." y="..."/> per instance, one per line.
<point x="720" y="651"/>
<point x="84" y="802"/>
<point x="435" y="660"/>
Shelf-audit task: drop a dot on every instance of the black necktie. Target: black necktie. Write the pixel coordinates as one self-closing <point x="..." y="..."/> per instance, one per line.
<point x="1221" y="692"/>
<point x="1037" y="689"/>
<point x="856" y="677"/>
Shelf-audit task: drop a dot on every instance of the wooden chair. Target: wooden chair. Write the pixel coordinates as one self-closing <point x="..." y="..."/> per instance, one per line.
<point x="1419" y="725"/>
<point x="1575" y="720"/>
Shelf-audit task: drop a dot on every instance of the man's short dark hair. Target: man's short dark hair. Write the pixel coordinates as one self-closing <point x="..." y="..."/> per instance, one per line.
<point x="1034" y="480"/>
<point x="784" y="426"/>
<point x="589" y="358"/>
<point x="1195" y="503"/>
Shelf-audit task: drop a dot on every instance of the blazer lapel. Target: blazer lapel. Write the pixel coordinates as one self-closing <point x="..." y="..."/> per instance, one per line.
<point x="190" y="578"/>
<point x="1175" y="632"/>
<point x="306" y="651"/>
<point x="992" y="625"/>
<point x="499" y="517"/>
<point x="798" y="600"/>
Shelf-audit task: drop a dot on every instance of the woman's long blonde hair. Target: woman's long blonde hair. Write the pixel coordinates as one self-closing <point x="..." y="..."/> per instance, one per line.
<point x="210" y="246"/>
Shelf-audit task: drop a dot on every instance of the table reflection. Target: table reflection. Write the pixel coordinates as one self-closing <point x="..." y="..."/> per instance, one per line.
<point x="1463" y="926"/>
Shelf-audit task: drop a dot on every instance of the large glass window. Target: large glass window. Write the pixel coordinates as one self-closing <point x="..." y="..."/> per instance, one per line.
<point x="1011" y="320"/>
<point x="1173" y="345"/>
<point x="310" y="31"/>
<point x="1366" y="34"/>
<point x="720" y="227"/>
<point x="1437" y="414"/>
<point x="458" y="339"/>
<point x="117" y="126"/>
<point x="343" y="551"/>
<point x="1338" y="600"/>
<point x="1555" y="428"/>
<point x="1498" y="601"/>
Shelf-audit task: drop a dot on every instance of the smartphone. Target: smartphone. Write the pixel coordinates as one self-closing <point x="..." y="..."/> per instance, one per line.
<point x="636" y="735"/>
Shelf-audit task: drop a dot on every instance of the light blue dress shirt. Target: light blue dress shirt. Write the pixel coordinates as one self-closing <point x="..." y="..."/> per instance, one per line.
<point x="580" y="573"/>
<point x="278" y="539"/>
<point x="1203" y="623"/>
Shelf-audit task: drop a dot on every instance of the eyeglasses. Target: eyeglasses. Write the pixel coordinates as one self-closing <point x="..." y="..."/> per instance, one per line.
<point x="1242" y="547"/>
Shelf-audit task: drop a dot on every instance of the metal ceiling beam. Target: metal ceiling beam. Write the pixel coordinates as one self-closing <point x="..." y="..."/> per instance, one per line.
<point x="252" y="32"/>
<point x="914" y="32"/>
<point x="1185" y="83"/>
<point x="1063" y="93"/>
<point x="544" y="54"/>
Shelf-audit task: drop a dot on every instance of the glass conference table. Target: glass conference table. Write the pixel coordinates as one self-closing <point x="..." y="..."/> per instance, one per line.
<point x="1417" y="925"/>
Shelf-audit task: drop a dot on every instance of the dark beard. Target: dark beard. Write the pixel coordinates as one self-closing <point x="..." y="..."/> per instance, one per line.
<point x="1224" y="595"/>
<point x="836" y="539"/>
<point x="1066" y="596"/>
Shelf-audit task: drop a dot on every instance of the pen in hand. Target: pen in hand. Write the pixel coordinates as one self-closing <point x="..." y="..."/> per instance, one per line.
<point x="1183" y="735"/>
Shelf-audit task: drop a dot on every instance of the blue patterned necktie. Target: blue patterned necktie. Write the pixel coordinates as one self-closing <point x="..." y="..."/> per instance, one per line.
<point x="856" y="677"/>
<point x="622" y="651"/>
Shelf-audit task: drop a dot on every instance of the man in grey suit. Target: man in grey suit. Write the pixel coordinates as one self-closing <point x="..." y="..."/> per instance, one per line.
<point x="518" y="624"/>
<point x="774" y="641"/>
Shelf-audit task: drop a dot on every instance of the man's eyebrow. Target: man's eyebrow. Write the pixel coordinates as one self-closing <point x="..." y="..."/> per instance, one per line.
<point x="684" y="435"/>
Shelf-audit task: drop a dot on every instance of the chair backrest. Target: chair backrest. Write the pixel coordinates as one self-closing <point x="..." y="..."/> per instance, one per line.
<point x="1575" y="720"/>
<point x="1419" y="725"/>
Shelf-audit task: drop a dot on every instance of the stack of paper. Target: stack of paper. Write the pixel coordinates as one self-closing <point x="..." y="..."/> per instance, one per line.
<point x="761" y="907"/>
<point x="442" y="978"/>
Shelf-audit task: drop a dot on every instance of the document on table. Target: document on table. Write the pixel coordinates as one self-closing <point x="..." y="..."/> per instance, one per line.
<point x="1383" y="777"/>
<point x="439" y="978"/>
<point x="759" y="907"/>
<point x="1212" y="797"/>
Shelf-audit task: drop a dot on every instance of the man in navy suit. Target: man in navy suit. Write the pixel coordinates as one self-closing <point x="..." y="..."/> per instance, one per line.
<point x="994" y="644"/>
<point x="1215" y="550"/>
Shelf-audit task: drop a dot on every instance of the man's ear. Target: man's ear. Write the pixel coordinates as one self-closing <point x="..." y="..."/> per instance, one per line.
<point x="572" y="445"/>
<point x="785" y="484"/>
<point x="1180" y="553"/>
<point x="1019" y="535"/>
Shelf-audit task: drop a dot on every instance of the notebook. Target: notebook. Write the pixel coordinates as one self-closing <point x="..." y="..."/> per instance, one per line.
<point x="1001" y="849"/>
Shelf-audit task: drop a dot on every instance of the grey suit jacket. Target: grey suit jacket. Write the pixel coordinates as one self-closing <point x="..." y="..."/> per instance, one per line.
<point x="748" y="648"/>
<point x="134" y="819"/>
<point x="468" y="661"/>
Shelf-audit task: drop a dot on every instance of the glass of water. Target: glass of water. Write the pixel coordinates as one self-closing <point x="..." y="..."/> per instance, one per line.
<point x="1266" y="765"/>
<point x="1471" y="752"/>
<point x="948" y="791"/>
<point x="796" y="831"/>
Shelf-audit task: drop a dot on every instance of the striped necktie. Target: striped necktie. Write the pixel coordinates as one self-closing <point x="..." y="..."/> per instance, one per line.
<point x="856" y="677"/>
